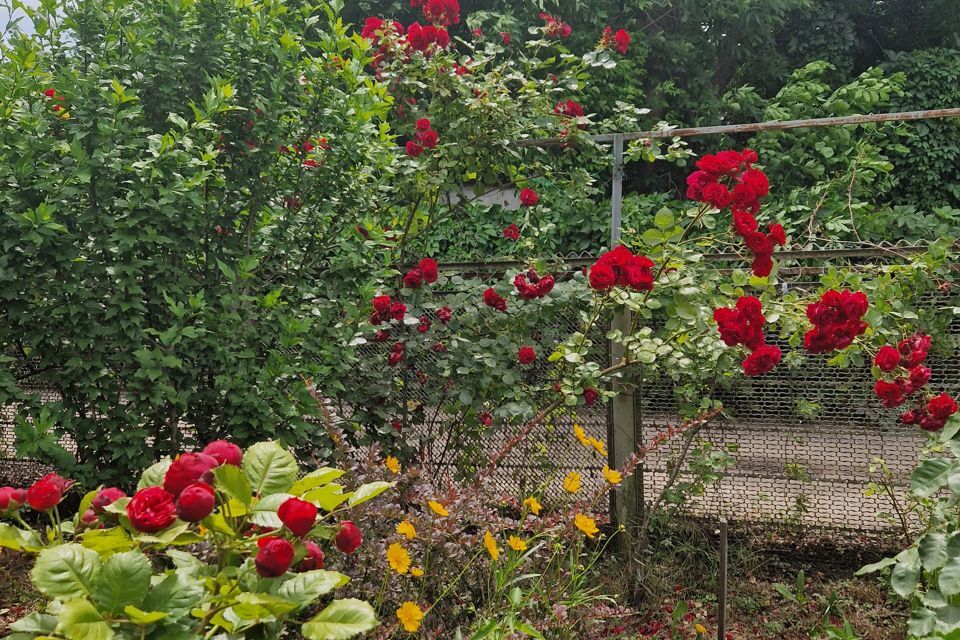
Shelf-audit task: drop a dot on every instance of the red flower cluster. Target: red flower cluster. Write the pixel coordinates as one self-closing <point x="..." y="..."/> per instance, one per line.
<point x="441" y="13"/>
<point x="837" y="320"/>
<point x="426" y="271"/>
<point x="569" y="109"/>
<point x="397" y="354"/>
<point x="494" y="300"/>
<point x="385" y="309"/>
<point x="759" y="243"/>
<point x="529" y="197"/>
<point x="554" y="27"/>
<point x="56" y="96"/>
<point x="621" y="268"/>
<point x="426" y="138"/>
<point x="374" y="28"/>
<point x="619" y="40"/>
<point x="590" y="396"/>
<point x="444" y="314"/>
<point x="427" y="38"/>
<point x="526" y="355"/>
<point x="930" y="412"/>
<point x="744" y="325"/>
<point x="531" y="286"/>
<point x="511" y="232"/>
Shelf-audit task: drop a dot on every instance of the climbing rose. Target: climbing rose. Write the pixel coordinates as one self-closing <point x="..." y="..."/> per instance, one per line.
<point x="398" y="310"/>
<point x="187" y="469"/>
<point x="494" y="300"/>
<point x="348" y="538"/>
<point x="486" y="419"/>
<point x="274" y="557"/>
<point x="313" y="560"/>
<point x="919" y="377"/>
<point x="526" y="355"/>
<point x="569" y="108"/>
<point x="106" y="497"/>
<point x="620" y="267"/>
<point x="536" y="287"/>
<point x="151" y="510"/>
<point x="381" y="304"/>
<point x="511" y="232"/>
<point x="913" y="350"/>
<point x="414" y="150"/>
<point x="442" y="12"/>
<point x="622" y="38"/>
<point x="297" y="515"/>
<point x="444" y="314"/>
<point x="891" y="394"/>
<point x="762" y="360"/>
<point x="836" y="319"/>
<point x="741" y="325"/>
<point x="590" y="396"/>
<point x="529" y="197"/>
<point x="412" y="279"/>
<point x="397" y="354"/>
<point x="424" y="325"/>
<point x="942" y="406"/>
<point x="224" y="452"/>
<point x="505" y="38"/>
<point x="196" y="502"/>
<point x="887" y="358"/>
<point x="428" y="269"/>
<point x="602" y="277"/>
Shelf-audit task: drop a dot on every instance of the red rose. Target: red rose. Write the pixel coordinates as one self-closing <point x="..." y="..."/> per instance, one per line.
<point x="529" y="197"/>
<point x="622" y="38"/>
<point x="44" y="494"/>
<point x="602" y="277"/>
<point x="486" y="419"/>
<point x="89" y="518"/>
<point x="348" y="538"/>
<point x="762" y="360"/>
<point x="590" y="396"/>
<point x="151" y="510"/>
<point x="919" y="377"/>
<point x="187" y="469"/>
<point x="428" y="269"/>
<point x="381" y="304"/>
<point x="890" y="393"/>
<point x="423" y="124"/>
<point x="196" y="502"/>
<point x="398" y="310"/>
<point x="909" y="417"/>
<point x="274" y="557"/>
<point x="428" y="139"/>
<point x="442" y="12"/>
<point x="414" y="150"/>
<point x="424" y="325"/>
<point x="511" y="232"/>
<point x="777" y="234"/>
<point x="762" y="265"/>
<point x="412" y="280"/>
<point x="11" y="499"/>
<point x="942" y="406"/>
<point x="224" y="452"/>
<point x="494" y="300"/>
<point x="444" y="314"/>
<point x="105" y="498"/>
<point x="697" y="182"/>
<point x="382" y="335"/>
<point x="59" y="481"/>
<point x="744" y="223"/>
<point x="298" y="516"/>
<point x="717" y="195"/>
<point x="526" y="355"/>
<point x="505" y="38"/>
<point x="313" y="560"/>
<point x="887" y="358"/>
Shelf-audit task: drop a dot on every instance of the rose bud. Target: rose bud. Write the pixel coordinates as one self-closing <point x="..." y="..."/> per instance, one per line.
<point x="196" y="502"/>
<point x="61" y="483"/>
<point x="274" y="557"/>
<point x="151" y="510"/>
<point x="224" y="452"/>
<point x="298" y="516"/>
<point x="348" y="539"/>
<point x="313" y="559"/>
<point x="44" y="494"/>
<point x="105" y="498"/>
<point x="11" y="499"/>
<point x="89" y="518"/>
<point x="187" y="469"/>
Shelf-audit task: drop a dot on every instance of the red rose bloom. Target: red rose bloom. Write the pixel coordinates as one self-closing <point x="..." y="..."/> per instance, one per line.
<point x="414" y="150"/>
<point x="224" y="452"/>
<point x="511" y="232"/>
<point x="526" y="355"/>
<point x="348" y="538"/>
<point x="891" y="394"/>
<point x="887" y="358"/>
<point x="762" y="360"/>
<point x="274" y="557"/>
<point x="423" y="124"/>
<point x="428" y="139"/>
<point x="424" y="325"/>
<point x="298" y="516"/>
<point x="313" y="560"/>
<point x="529" y="197"/>
<point x="942" y="406"/>
<point x="444" y="314"/>
<point x="398" y="310"/>
<point x="442" y="12"/>
<point x="836" y="321"/>
<point x="486" y="419"/>
<point x="196" y="502"/>
<point x="717" y="195"/>
<point x="428" y="270"/>
<point x="919" y="377"/>
<point x="151" y="510"/>
<point x="105" y="498"/>
<point x="590" y="395"/>
<point x="622" y="39"/>
<point x="413" y="279"/>
<point x="505" y="38"/>
<point x="11" y="499"/>
<point x="381" y="304"/>
<point x="187" y="469"/>
<point x="494" y="300"/>
<point x="44" y="494"/>
<point x="602" y="277"/>
<point x="913" y="350"/>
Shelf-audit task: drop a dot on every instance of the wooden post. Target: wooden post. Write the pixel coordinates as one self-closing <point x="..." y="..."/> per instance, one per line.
<point x="722" y="583"/>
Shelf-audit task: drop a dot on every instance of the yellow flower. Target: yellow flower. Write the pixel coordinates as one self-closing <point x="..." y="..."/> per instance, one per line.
<point x="392" y="464"/>
<point x="491" y="545"/>
<point x="417" y="572"/>
<point x="398" y="558"/>
<point x="598" y="446"/>
<point x="516" y="543"/>
<point x="612" y="475"/>
<point x="571" y="483"/>
<point x="586" y="524"/>
<point x="438" y="508"/>
<point x="405" y="528"/>
<point x="533" y="504"/>
<point x="699" y="628"/>
<point x="410" y="614"/>
<point x="581" y="435"/>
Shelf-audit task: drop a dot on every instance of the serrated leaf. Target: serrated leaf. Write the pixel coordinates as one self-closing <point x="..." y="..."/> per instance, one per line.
<point x="107" y="541"/>
<point x="19" y="539"/>
<point x="176" y="594"/>
<point x="153" y="475"/>
<point x="327" y="497"/>
<point x="929" y="476"/>
<point x="80" y="620"/>
<point x="232" y="481"/>
<point x="304" y="588"/>
<point x="143" y="617"/>
<point x="368" y="491"/>
<point x="315" y="479"/>
<point x="342" y="619"/>
<point x="123" y="580"/>
<point x="66" y="572"/>
<point x="269" y="468"/>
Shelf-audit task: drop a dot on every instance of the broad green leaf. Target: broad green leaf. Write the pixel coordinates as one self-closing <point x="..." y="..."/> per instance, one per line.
<point x="274" y="604"/>
<point x="876" y="566"/>
<point x="176" y="594"/>
<point x="304" y="588"/>
<point x="35" y="623"/>
<point x="270" y="468"/>
<point x="929" y="476"/>
<point x="19" y="539"/>
<point x="167" y="536"/>
<point x="904" y="577"/>
<point x="921" y="622"/>
<point x="143" y="617"/>
<point x="949" y="579"/>
<point x="123" y="580"/>
<point x="315" y="479"/>
<point x="232" y="481"/>
<point x="933" y="551"/>
<point x="342" y="619"/>
<point x="368" y="491"/>
<point x="80" y="620"/>
<point x="107" y="541"/>
<point x="65" y="572"/>
<point x="153" y="475"/>
<point x="264" y="511"/>
<point x="327" y="497"/>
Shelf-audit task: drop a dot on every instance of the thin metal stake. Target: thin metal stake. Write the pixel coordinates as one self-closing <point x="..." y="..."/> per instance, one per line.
<point x="616" y="198"/>
<point x="722" y="586"/>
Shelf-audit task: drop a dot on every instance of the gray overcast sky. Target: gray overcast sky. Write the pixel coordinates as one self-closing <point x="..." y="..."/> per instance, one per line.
<point x="25" y="25"/>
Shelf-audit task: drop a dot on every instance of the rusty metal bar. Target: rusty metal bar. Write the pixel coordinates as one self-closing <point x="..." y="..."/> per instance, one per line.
<point x="771" y="125"/>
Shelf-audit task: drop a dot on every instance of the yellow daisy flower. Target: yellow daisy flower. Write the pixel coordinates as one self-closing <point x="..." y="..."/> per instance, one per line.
<point x="491" y="545"/>
<point x="438" y="508"/>
<point x="586" y="524"/>
<point x="410" y="614"/>
<point x="407" y="529"/>
<point x="571" y="483"/>
<point x="392" y="464"/>
<point x="581" y="435"/>
<point x="398" y="558"/>
<point x="516" y="543"/>
<point x="700" y="629"/>
<point x="417" y="572"/>
<point x="598" y="446"/>
<point x="533" y="504"/>
<point x="612" y="475"/>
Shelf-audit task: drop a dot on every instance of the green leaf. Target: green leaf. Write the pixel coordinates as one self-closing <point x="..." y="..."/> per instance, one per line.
<point x="153" y="475"/>
<point x="342" y="619"/>
<point x="933" y="551"/>
<point x="143" y="617"/>
<point x="929" y="476"/>
<point x="233" y="482"/>
<point x="368" y="491"/>
<point x="304" y="588"/>
<point x="949" y="579"/>
<point x="315" y="479"/>
<point x="327" y="497"/>
<point x="176" y="594"/>
<point x="67" y="571"/>
<point x="80" y="620"/>
<point x="123" y="580"/>
<point x="876" y="566"/>
<point x="35" y="623"/>
<point x="270" y="468"/>
<point x="265" y="510"/>
<point x="19" y="539"/>
<point x="107" y="541"/>
<point x="906" y="573"/>
<point x="921" y="622"/>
